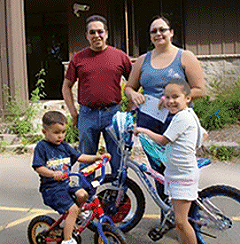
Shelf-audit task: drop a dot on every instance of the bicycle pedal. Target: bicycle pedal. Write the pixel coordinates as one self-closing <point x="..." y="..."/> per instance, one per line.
<point x="155" y="234"/>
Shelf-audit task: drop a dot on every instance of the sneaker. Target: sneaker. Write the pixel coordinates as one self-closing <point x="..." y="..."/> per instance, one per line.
<point x="71" y="241"/>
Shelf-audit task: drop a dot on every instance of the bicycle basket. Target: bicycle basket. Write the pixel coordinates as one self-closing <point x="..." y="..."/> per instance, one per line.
<point x="122" y="123"/>
<point x="154" y="150"/>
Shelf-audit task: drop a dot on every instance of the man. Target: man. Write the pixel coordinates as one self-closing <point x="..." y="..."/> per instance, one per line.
<point x="98" y="69"/>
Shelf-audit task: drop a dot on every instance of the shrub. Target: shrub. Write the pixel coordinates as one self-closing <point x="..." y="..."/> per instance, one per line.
<point x="213" y="114"/>
<point x="223" y="153"/>
<point x="224" y="109"/>
<point x="22" y="124"/>
<point x="71" y="133"/>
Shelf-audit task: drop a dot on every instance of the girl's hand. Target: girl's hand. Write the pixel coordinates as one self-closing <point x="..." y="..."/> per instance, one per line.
<point x="161" y="104"/>
<point x="137" y="130"/>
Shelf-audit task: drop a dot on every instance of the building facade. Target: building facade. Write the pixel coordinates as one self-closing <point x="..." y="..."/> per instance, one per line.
<point x="47" y="33"/>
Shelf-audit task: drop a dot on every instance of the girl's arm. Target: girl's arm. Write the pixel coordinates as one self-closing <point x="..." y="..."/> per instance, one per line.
<point x="160" y="139"/>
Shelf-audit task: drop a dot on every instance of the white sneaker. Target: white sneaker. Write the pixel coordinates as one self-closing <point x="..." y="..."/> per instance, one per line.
<point x="71" y="241"/>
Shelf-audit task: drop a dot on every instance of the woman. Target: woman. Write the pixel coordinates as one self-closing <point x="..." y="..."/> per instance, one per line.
<point x="154" y="70"/>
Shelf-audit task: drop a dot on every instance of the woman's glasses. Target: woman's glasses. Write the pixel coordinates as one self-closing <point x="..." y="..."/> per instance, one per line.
<point x="92" y="32"/>
<point x="161" y="30"/>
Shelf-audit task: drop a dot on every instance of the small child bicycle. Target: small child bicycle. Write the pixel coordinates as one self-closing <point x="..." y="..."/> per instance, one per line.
<point x="214" y="215"/>
<point x="44" y="229"/>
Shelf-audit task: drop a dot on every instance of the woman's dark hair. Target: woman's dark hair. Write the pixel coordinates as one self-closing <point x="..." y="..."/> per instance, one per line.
<point x="96" y="18"/>
<point x="160" y="17"/>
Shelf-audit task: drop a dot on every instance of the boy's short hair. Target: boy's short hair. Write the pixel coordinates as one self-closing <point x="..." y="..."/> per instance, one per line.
<point x="183" y="83"/>
<point x="96" y="18"/>
<point x="53" y="117"/>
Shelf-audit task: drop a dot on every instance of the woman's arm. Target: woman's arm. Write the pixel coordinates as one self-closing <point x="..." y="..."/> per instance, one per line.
<point x="195" y="74"/>
<point x="133" y="84"/>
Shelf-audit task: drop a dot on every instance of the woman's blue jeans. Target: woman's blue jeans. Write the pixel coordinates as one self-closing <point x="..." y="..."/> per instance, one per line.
<point x="91" y="122"/>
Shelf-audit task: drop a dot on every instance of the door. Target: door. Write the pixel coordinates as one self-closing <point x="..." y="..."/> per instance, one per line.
<point x="47" y="47"/>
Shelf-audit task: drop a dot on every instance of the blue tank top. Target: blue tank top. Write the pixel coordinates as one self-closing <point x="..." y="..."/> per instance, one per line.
<point x="154" y="80"/>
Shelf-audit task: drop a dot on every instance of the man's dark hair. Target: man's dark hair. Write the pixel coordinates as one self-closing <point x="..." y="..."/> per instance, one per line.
<point x="96" y="18"/>
<point x="53" y="117"/>
<point x="184" y="84"/>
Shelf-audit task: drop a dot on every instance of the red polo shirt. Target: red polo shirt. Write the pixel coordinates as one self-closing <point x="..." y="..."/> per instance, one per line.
<point x="99" y="75"/>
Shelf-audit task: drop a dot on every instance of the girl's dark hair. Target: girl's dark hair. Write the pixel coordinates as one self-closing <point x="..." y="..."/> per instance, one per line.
<point x="96" y="18"/>
<point x="160" y="17"/>
<point x="184" y="84"/>
<point x="53" y="117"/>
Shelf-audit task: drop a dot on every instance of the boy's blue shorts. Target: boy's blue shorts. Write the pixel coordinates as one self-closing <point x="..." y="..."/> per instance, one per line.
<point x="60" y="197"/>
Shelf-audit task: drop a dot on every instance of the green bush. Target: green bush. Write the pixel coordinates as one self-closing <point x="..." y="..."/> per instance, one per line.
<point x="224" y="109"/>
<point x="124" y="102"/>
<point x="71" y="133"/>
<point x="22" y="124"/>
<point x="213" y="114"/>
<point x="223" y="153"/>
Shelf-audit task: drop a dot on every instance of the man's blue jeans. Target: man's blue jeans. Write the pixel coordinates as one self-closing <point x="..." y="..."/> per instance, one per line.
<point x="91" y="122"/>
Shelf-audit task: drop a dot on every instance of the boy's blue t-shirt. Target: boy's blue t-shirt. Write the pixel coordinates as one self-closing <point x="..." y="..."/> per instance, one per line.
<point x="55" y="157"/>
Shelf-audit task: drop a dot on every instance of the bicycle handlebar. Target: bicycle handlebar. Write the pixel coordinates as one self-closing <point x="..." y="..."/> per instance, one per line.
<point x="90" y="169"/>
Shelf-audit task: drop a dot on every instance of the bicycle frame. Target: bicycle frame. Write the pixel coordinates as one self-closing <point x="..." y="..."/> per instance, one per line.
<point x="94" y="205"/>
<point x="141" y="170"/>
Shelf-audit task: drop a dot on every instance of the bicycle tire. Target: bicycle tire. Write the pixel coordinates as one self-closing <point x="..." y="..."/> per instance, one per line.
<point x="225" y="198"/>
<point x="38" y="225"/>
<point x="135" y="198"/>
<point x="112" y="233"/>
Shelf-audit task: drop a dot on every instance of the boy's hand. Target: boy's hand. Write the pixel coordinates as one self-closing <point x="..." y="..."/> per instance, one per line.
<point x="106" y="155"/>
<point x="58" y="175"/>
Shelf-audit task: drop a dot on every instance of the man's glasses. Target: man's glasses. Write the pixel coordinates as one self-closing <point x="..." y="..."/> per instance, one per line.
<point x="92" y="32"/>
<point x="161" y="30"/>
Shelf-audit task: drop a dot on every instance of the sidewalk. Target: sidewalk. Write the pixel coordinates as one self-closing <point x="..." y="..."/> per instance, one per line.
<point x="13" y="144"/>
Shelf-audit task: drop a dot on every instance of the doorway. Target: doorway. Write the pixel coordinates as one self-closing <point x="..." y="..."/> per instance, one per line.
<point x="47" y="47"/>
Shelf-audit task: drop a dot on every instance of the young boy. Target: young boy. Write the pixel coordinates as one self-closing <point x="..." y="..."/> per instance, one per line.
<point x="53" y="158"/>
<point x="183" y="136"/>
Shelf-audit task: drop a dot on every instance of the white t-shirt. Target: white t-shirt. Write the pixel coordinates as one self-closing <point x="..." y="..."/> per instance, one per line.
<point x="185" y="135"/>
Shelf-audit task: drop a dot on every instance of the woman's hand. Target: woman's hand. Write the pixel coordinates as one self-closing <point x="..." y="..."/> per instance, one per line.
<point x="137" y="98"/>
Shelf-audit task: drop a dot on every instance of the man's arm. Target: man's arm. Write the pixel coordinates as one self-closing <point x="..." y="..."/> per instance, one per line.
<point x="68" y="98"/>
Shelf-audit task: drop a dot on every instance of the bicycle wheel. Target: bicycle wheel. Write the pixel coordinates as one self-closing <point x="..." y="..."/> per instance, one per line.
<point x="113" y="235"/>
<point x="131" y="208"/>
<point x="224" y="203"/>
<point x="38" y="225"/>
